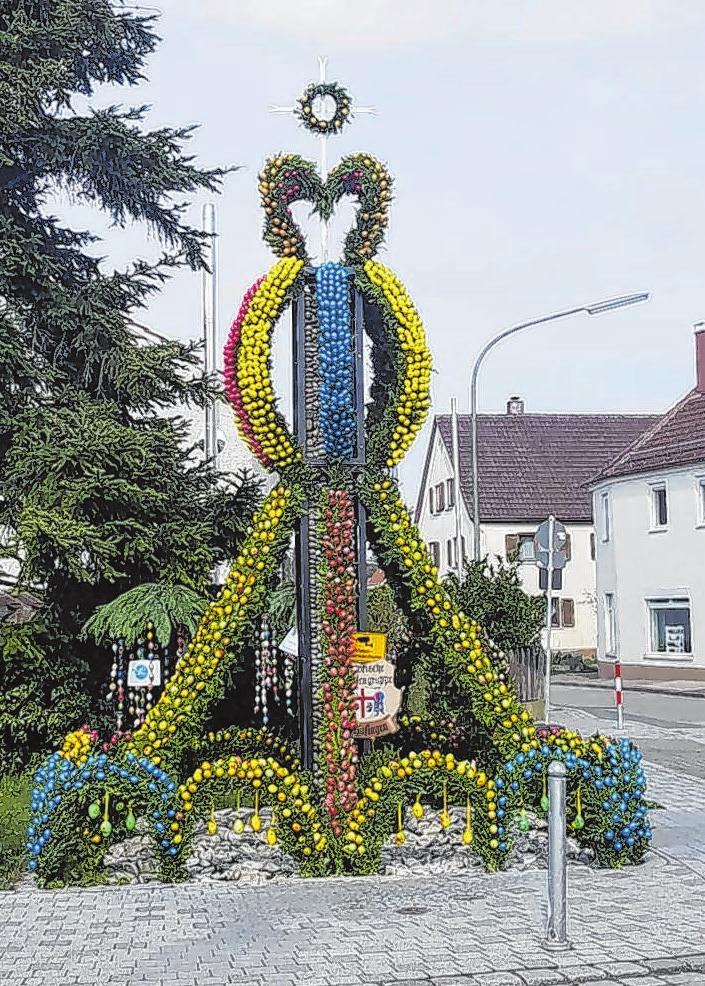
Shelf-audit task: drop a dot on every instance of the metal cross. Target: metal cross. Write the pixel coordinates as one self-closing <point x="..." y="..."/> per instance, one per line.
<point x="323" y="145"/>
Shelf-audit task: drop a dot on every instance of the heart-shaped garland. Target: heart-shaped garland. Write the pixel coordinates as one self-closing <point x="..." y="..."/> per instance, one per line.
<point x="289" y="178"/>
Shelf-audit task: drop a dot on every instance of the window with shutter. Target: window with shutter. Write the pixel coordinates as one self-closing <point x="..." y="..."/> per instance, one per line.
<point x="511" y="546"/>
<point x="592" y="546"/>
<point x="568" y="612"/>
<point x="431" y="501"/>
<point x="435" y="549"/>
<point x="555" y="612"/>
<point x="567" y="547"/>
<point x="450" y="493"/>
<point x="525" y="549"/>
<point x="440" y="497"/>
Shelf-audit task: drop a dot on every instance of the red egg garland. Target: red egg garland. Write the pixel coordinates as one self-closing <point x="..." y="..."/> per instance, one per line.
<point x="230" y="376"/>
<point x="338" y="673"/>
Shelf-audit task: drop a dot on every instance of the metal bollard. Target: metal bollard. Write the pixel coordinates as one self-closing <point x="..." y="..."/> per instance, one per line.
<point x="619" y="694"/>
<point x="556" y="929"/>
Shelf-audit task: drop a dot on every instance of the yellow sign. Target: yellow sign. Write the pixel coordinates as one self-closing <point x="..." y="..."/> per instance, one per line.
<point x="369" y="647"/>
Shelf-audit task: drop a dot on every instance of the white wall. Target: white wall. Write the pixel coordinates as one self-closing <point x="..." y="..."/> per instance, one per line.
<point x="578" y="581"/>
<point x="579" y="574"/>
<point x="639" y="563"/>
<point x="440" y="527"/>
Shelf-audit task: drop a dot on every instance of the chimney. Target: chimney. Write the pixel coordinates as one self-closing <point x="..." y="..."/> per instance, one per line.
<point x="515" y="405"/>
<point x="700" y="357"/>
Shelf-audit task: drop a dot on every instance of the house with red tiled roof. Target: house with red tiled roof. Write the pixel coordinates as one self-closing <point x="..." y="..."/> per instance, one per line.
<point x="649" y="502"/>
<point x="529" y="466"/>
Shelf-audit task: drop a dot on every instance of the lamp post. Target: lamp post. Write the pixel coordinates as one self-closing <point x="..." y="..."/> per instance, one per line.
<point x="597" y="308"/>
<point x="209" y="311"/>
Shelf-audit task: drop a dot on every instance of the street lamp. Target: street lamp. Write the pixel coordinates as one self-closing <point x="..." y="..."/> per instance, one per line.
<point x="598" y="308"/>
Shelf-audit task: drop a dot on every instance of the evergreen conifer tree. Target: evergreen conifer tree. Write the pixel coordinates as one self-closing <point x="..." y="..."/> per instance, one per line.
<point x="99" y="490"/>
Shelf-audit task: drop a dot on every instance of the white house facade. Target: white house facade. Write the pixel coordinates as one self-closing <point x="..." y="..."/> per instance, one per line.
<point x="530" y="465"/>
<point x="650" y="512"/>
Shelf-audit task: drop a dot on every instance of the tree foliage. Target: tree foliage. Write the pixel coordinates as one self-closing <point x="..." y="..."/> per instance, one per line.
<point x="164" y="606"/>
<point x="492" y="592"/>
<point x="99" y="489"/>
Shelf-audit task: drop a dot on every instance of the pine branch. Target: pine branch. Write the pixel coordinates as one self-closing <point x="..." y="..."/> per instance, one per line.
<point x="165" y="605"/>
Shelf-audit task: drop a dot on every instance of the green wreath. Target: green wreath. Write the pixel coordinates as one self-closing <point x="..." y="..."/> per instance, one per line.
<point x="316" y="124"/>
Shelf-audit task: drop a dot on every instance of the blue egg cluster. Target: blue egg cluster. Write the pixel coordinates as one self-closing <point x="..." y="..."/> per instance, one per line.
<point x="618" y="777"/>
<point x="58" y="777"/>
<point x="336" y="361"/>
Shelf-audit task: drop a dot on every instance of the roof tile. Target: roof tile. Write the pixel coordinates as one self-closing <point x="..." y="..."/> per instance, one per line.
<point x="533" y="465"/>
<point x="676" y="439"/>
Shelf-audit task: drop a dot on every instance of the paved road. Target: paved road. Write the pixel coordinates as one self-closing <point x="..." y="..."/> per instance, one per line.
<point x="669" y="729"/>
<point x="637" y="927"/>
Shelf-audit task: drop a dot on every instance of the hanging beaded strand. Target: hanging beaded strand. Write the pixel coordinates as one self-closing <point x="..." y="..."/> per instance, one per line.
<point x="258" y="675"/>
<point x="112" y="687"/>
<point x="119" y="717"/>
<point x="265" y="672"/>
<point x="152" y="657"/>
<point x="289" y="683"/>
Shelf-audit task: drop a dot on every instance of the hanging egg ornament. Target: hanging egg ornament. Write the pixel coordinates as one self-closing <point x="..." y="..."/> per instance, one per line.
<point x="238" y="824"/>
<point x="106" y="827"/>
<point x="578" y="821"/>
<point x="544" y="797"/>
<point x="523" y="824"/>
<point x="399" y="837"/>
<point x="444" y="818"/>
<point x="93" y="810"/>
<point x="468" y="833"/>
<point x="130" y="821"/>
<point x="271" y="836"/>
<point x="417" y="808"/>
<point x="255" y="820"/>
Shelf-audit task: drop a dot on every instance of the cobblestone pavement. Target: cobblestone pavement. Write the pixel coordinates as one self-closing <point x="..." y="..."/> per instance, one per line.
<point x="641" y="927"/>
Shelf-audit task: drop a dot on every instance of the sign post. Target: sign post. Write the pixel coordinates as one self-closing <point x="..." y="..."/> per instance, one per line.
<point x="549" y="544"/>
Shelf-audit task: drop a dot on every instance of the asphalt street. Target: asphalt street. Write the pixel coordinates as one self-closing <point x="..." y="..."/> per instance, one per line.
<point x="677" y="739"/>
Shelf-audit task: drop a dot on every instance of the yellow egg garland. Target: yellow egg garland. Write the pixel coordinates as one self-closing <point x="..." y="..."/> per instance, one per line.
<point x="183" y="702"/>
<point x="411" y="399"/>
<point x="295" y="822"/>
<point x="259" y="422"/>
<point x="470" y="659"/>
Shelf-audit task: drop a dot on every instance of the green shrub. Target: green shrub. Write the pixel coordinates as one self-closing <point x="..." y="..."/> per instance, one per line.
<point x="14" y="818"/>
<point x="41" y="697"/>
<point x="492" y="591"/>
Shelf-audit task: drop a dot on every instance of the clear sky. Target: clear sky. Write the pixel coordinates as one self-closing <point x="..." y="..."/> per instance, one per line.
<point x="546" y="153"/>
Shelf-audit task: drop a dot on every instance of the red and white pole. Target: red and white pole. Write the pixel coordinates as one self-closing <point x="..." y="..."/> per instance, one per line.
<point x="619" y="694"/>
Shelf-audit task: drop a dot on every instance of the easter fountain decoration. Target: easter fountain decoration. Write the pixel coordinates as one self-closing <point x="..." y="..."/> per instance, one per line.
<point x="336" y="490"/>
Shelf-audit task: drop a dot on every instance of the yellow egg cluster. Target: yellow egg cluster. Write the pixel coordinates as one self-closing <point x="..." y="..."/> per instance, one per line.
<point x="456" y="631"/>
<point x="569" y="741"/>
<point x="77" y="745"/>
<point x="224" y="617"/>
<point x="414" y="399"/>
<point x="271" y="781"/>
<point x="269" y="433"/>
